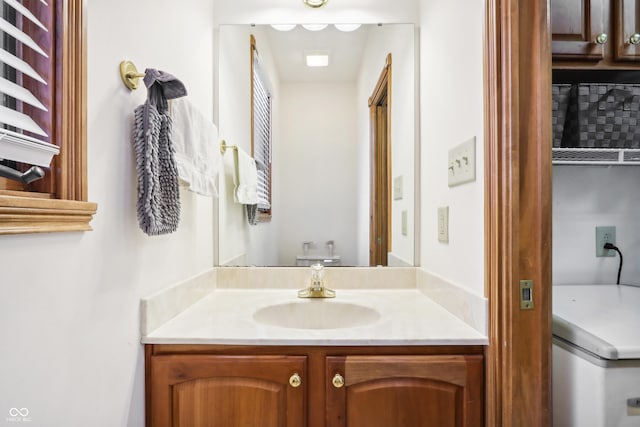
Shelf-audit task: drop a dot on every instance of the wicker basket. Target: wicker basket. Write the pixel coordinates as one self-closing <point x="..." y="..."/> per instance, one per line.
<point x="559" y="104"/>
<point x="603" y="116"/>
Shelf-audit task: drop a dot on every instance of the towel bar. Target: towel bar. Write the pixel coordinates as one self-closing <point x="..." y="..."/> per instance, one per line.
<point x="224" y="146"/>
<point x="130" y="75"/>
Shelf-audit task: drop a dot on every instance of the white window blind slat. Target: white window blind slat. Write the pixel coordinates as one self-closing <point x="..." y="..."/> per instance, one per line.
<point x="20" y="65"/>
<point x="20" y="93"/>
<point x="262" y="133"/>
<point x="6" y="27"/>
<point x="14" y="122"/>
<point x="26" y="13"/>
<point x="19" y="120"/>
<point x="25" y="149"/>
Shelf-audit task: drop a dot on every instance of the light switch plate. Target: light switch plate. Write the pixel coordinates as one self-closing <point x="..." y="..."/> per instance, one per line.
<point x="404" y="223"/>
<point x="443" y="224"/>
<point x="397" y="188"/>
<point x="462" y="163"/>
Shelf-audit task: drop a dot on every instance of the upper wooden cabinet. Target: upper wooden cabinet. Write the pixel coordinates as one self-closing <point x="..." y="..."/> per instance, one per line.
<point x="626" y="18"/>
<point x="595" y="33"/>
<point x="575" y="26"/>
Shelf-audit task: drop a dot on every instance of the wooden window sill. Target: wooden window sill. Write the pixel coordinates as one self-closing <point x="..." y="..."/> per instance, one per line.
<point x="264" y="217"/>
<point x="22" y="215"/>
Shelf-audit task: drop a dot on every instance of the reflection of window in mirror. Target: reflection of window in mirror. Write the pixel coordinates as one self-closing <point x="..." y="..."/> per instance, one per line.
<point x="261" y="131"/>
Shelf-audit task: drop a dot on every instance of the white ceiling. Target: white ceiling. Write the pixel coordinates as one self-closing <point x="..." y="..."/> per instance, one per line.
<point x="345" y="53"/>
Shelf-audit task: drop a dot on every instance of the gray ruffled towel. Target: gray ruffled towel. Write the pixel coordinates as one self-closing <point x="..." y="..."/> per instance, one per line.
<point x="158" y="192"/>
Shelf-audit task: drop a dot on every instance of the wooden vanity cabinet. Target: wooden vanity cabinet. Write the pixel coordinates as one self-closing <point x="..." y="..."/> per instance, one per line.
<point x="405" y="391"/>
<point x="226" y="391"/>
<point x="255" y="386"/>
<point x="578" y="26"/>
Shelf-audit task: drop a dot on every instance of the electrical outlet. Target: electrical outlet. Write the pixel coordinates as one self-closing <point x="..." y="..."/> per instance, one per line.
<point x="443" y="224"/>
<point x="404" y="222"/>
<point x="605" y="234"/>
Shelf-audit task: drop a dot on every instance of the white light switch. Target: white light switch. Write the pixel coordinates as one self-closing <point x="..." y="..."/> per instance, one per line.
<point x="443" y="224"/>
<point x="462" y="163"/>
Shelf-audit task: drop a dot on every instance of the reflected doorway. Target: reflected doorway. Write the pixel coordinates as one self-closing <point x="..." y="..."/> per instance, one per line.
<point x="380" y="134"/>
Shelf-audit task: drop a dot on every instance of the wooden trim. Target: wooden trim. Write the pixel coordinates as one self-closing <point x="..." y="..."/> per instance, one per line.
<point x="148" y="352"/>
<point x="160" y="349"/>
<point x="20" y="215"/>
<point x="71" y="131"/>
<point x="518" y="211"/>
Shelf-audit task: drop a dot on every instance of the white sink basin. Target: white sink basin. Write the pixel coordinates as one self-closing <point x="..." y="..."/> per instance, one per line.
<point x="316" y="314"/>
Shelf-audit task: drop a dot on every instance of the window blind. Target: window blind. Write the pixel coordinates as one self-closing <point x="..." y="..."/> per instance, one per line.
<point x="262" y="133"/>
<point x="20" y="135"/>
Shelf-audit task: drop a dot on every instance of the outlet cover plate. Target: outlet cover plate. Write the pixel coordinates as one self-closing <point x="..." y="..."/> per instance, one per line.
<point x="397" y="188"/>
<point x="605" y="234"/>
<point x="404" y="222"/>
<point x="443" y="224"/>
<point x="462" y="163"/>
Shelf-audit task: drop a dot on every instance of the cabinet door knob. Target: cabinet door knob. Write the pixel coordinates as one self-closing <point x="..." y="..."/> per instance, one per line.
<point x="295" y="380"/>
<point x="635" y="39"/>
<point x="602" y="38"/>
<point x="338" y="381"/>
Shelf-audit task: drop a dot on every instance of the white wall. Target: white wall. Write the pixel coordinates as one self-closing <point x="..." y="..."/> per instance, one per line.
<point x="585" y="197"/>
<point x="314" y="170"/>
<point x="69" y="301"/>
<point x="397" y="40"/>
<point x="451" y="110"/>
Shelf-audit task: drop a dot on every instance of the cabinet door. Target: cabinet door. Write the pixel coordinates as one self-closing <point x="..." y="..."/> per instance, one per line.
<point x="575" y="27"/>
<point x="626" y="24"/>
<point x="405" y="391"/>
<point x="226" y="391"/>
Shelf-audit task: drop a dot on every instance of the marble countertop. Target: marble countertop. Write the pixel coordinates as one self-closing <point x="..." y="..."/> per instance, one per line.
<point x="226" y="316"/>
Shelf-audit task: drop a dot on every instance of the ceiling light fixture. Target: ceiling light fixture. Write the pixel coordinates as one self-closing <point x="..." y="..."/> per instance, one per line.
<point x="315" y="3"/>
<point x="317" y="59"/>
<point x="347" y="27"/>
<point x="315" y="27"/>
<point x="283" y="27"/>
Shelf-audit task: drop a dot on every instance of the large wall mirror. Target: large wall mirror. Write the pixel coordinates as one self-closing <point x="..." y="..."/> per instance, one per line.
<point x="321" y="145"/>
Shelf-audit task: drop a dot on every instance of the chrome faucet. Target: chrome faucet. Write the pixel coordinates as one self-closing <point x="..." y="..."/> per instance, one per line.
<point x="317" y="288"/>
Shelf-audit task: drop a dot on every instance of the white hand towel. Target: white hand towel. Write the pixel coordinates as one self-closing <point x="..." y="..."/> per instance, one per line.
<point x="195" y="139"/>
<point x="245" y="178"/>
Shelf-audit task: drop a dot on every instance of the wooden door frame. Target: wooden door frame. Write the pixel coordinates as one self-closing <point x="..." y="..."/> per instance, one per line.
<point x="381" y="92"/>
<point x="518" y="211"/>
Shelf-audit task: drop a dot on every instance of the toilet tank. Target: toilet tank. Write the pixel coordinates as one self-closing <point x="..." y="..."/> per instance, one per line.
<point x="307" y="260"/>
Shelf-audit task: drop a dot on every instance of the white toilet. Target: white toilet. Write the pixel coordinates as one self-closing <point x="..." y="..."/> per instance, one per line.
<point x="329" y="260"/>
